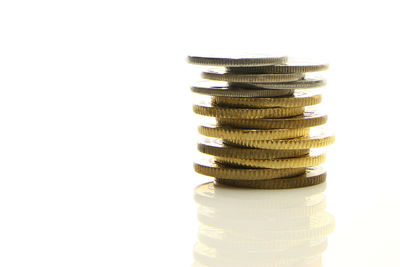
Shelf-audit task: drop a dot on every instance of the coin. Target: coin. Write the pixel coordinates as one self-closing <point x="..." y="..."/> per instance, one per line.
<point x="250" y="134"/>
<point x="221" y="112"/>
<point x="210" y="168"/>
<point x="308" y="119"/>
<point x="219" y="88"/>
<point x="312" y="159"/>
<point x="300" y="98"/>
<point x="313" y="176"/>
<point x="218" y="75"/>
<point x="245" y="60"/>
<point x="292" y="66"/>
<point x="216" y="147"/>
<point x="305" y="83"/>
<point x="317" y="138"/>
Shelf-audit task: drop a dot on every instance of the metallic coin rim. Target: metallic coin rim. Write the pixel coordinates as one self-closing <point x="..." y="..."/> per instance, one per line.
<point x="252" y="78"/>
<point x="250" y="134"/>
<point x="246" y="113"/>
<point x="313" y="176"/>
<point x="312" y="159"/>
<point x="216" y="147"/>
<point x="315" y="140"/>
<point x="308" y="119"/>
<point x="210" y="168"/>
<point x="240" y="61"/>
<point x="300" y="98"/>
<point x="288" y="67"/>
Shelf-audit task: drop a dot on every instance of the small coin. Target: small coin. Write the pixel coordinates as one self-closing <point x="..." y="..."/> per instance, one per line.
<point x="250" y="134"/>
<point x="318" y="137"/>
<point x="313" y="176"/>
<point x="206" y="109"/>
<point x="219" y="88"/>
<point x="305" y="83"/>
<point x="312" y="159"/>
<point x="210" y="168"/>
<point x="218" y="75"/>
<point x="216" y="147"/>
<point x="308" y="119"/>
<point x="246" y="60"/>
<point x="292" y="66"/>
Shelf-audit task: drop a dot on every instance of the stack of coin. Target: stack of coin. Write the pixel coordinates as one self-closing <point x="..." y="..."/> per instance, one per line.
<point x="265" y="132"/>
<point x="241" y="227"/>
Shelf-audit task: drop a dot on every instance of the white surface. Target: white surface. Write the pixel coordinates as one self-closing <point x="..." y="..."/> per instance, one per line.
<point x="97" y="135"/>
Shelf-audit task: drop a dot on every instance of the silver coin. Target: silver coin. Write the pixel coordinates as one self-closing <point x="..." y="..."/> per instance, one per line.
<point x="221" y="75"/>
<point x="216" y="88"/>
<point x="245" y="60"/>
<point x="292" y="66"/>
<point x="306" y="83"/>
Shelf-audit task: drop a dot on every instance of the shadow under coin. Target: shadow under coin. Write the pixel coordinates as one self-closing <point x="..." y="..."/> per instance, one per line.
<point x="250" y="227"/>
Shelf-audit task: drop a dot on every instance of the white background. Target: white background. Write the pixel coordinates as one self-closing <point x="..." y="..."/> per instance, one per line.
<point x="97" y="136"/>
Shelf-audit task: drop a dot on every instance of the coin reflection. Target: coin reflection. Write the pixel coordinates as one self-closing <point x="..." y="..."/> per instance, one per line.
<point x="247" y="227"/>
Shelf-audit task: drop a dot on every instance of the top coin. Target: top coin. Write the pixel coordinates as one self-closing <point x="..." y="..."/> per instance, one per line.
<point x="238" y="61"/>
<point x="292" y="66"/>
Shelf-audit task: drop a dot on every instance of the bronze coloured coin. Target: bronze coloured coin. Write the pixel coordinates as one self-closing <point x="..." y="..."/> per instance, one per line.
<point x="312" y="176"/>
<point x="308" y="119"/>
<point x="216" y="147"/>
<point x="208" y="167"/>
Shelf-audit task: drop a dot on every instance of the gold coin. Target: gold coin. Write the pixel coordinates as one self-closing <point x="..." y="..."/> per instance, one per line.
<point x="313" y="176"/>
<point x="219" y="88"/>
<point x="308" y="119"/>
<point x="292" y="66"/>
<point x="246" y="60"/>
<point x="222" y="112"/>
<point x="218" y="75"/>
<point x="251" y="134"/>
<point x="216" y="147"/>
<point x="210" y="168"/>
<point x="313" y="159"/>
<point x="305" y="83"/>
<point x="300" y="98"/>
<point x="317" y="138"/>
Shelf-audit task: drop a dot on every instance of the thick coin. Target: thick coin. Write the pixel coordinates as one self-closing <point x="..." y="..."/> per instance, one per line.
<point x="221" y="112"/>
<point x="210" y="168"/>
<point x="246" y="60"/>
<point x="218" y="88"/>
<point x="305" y="83"/>
<point x="292" y="66"/>
<point x="218" y="75"/>
<point x="308" y="119"/>
<point x="313" y="176"/>
<point x="216" y="147"/>
<point x="317" y="138"/>
<point x="250" y="134"/>
<point x="300" y="98"/>
<point x="312" y="159"/>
